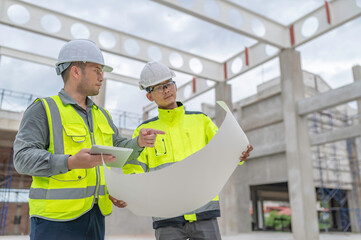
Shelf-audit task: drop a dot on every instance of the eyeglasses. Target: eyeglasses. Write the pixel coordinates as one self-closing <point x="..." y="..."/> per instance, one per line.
<point x="160" y="88"/>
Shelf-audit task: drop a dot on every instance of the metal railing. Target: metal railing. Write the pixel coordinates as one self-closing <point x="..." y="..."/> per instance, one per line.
<point x="15" y="101"/>
<point x="123" y="119"/>
<point x="19" y="101"/>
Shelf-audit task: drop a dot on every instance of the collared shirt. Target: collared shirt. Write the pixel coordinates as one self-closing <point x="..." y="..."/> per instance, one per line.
<point x="31" y="156"/>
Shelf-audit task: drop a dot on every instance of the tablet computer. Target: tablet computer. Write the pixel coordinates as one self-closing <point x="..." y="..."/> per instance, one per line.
<point x="122" y="154"/>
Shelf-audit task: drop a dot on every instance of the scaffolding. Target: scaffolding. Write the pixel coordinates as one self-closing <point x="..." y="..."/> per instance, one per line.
<point x="338" y="172"/>
<point x="6" y="175"/>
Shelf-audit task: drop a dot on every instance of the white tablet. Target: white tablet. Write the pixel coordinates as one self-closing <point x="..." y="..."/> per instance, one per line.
<point x="122" y="154"/>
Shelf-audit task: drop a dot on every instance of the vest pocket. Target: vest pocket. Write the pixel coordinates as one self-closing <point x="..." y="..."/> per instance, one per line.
<point x="67" y="192"/>
<point x="76" y="132"/>
<point x="76" y="176"/>
<point x="160" y="147"/>
<point x="106" y="134"/>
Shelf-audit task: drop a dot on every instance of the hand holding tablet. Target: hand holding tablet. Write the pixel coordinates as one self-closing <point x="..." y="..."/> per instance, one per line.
<point x="122" y="154"/>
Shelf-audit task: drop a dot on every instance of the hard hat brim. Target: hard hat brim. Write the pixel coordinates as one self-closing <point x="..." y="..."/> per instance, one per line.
<point x="107" y="68"/>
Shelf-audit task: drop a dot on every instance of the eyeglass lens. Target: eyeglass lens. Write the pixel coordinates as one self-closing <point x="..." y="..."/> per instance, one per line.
<point x="160" y="88"/>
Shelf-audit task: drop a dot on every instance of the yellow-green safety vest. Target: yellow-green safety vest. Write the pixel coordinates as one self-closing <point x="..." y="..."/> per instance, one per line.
<point x="67" y="196"/>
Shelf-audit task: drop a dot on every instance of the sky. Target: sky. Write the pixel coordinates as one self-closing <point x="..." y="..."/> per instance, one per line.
<point x="331" y="55"/>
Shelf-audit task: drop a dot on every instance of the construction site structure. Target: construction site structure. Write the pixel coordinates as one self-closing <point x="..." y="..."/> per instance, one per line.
<point x="306" y="136"/>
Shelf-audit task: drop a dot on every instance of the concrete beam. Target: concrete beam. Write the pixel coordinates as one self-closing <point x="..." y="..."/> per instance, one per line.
<point x="261" y="52"/>
<point x="336" y="135"/>
<point x="50" y="62"/>
<point x="329" y="99"/>
<point x="264" y="151"/>
<point x="249" y="59"/>
<point x="340" y="12"/>
<point x="272" y="195"/>
<point x="259" y="121"/>
<point x="210" y="69"/>
<point x="274" y="33"/>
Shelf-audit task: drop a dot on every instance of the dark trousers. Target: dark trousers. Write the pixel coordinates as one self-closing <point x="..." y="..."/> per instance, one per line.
<point x="91" y="225"/>
<point x="198" y="230"/>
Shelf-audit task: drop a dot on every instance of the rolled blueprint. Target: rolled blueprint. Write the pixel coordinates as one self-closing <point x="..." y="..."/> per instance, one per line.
<point x="186" y="185"/>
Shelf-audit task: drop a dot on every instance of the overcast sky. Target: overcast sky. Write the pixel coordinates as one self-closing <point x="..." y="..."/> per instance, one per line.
<point x="331" y="56"/>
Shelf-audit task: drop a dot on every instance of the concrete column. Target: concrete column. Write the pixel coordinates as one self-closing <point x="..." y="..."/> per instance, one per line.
<point x="261" y="214"/>
<point x="100" y="98"/>
<point x="255" y="215"/>
<point x="223" y="93"/>
<point x="354" y="158"/>
<point x="17" y="220"/>
<point x="228" y="196"/>
<point x="235" y="196"/>
<point x="145" y="115"/>
<point x="298" y="152"/>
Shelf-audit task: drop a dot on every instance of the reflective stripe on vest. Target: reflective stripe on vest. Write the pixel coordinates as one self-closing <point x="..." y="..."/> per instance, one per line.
<point x="67" y="196"/>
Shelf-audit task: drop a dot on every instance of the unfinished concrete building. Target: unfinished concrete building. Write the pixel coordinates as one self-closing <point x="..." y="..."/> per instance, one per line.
<point x="306" y="135"/>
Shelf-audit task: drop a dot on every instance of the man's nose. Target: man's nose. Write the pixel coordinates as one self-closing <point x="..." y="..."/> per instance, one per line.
<point x="165" y="88"/>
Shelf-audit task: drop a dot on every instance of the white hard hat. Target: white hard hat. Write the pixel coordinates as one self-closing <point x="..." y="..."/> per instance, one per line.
<point x="80" y="50"/>
<point x="154" y="73"/>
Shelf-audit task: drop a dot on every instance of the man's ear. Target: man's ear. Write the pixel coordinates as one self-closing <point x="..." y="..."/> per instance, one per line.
<point x="149" y="96"/>
<point x="75" y="72"/>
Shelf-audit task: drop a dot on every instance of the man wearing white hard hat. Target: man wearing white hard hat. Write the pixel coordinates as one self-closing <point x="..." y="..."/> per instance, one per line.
<point x="68" y="198"/>
<point x="185" y="133"/>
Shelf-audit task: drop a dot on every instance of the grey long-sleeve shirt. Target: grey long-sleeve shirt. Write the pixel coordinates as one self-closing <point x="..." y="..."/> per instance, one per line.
<point x="31" y="156"/>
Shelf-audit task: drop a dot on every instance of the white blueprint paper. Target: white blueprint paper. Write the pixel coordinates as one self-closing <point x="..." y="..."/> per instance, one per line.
<point x="186" y="185"/>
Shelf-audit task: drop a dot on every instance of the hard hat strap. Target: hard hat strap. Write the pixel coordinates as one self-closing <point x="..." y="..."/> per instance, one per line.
<point x="61" y="67"/>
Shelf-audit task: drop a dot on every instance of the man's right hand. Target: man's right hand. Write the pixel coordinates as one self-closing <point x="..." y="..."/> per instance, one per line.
<point x="83" y="159"/>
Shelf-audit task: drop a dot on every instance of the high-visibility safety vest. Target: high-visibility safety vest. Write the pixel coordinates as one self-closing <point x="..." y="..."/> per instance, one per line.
<point x="67" y="196"/>
<point x="185" y="133"/>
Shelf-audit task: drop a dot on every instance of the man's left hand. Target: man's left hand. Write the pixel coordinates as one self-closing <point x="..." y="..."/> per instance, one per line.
<point x="147" y="137"/>
<point x="245" y="154"/>
<point x="118" y="203"/>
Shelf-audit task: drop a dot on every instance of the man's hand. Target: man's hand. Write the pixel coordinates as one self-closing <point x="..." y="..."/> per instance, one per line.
<point x="245" y="154"/>
<point x="147" y="137"/>
<point x="118" y="203"/>
<point x="83" y="159"/>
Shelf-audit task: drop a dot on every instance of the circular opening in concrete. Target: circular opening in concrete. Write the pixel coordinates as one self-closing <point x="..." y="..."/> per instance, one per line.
<point x="211" y="8"/>
<point x="358" y="3"/>
<point x="309" y="26"/>
<point x="131" y="46"/>
<point x="186" y="3"/>
<point x="154" y="53"/>
<point x="176" y="59"/>
<point x="196" y="65"/>
<point x="50" y="23"/>
<point x="258" y="27"/>
<point x="79" y="30"/>
<point x="107" y="39"/>
<point x="235" y="18"/>
<point x="237" y="65"/>
<point x="210" y="83"/>
<point x="18" y="14"/>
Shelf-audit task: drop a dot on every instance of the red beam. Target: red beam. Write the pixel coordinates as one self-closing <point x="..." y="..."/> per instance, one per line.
<point x="246" y="56"/>
<point x="194" y="84"/>
<point x="328" y="12"/>
<point x="292" y="35"/>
